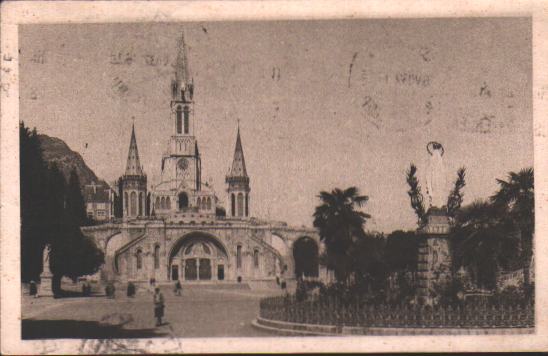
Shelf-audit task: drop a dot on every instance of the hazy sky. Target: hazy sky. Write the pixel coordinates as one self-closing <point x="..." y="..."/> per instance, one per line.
<point x="322" y="104"/>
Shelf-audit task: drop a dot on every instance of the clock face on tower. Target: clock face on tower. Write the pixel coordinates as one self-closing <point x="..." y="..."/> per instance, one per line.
<point x="182" y="164"/>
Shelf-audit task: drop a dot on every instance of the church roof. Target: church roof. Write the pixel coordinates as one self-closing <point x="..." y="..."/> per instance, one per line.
<point x="133" y="166"/>
<point x="238" y="164"/>
<point x="96" y="193"/>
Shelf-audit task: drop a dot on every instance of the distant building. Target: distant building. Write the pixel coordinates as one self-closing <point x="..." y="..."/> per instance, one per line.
<point x="99" y="201"/>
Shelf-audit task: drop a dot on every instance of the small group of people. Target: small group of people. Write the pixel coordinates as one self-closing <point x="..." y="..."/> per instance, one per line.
<point x="86" y="289"/>
<point x="33" y="289"/>
<point x="158" y="297"/>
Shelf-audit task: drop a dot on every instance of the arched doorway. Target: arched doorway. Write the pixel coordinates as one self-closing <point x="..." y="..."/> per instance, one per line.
<point x="183" y="201"/>
<point x="198" y="257"/>
<point x="305" y="254"/>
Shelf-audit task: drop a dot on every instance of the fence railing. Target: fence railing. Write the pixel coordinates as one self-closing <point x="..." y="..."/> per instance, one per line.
<point x="332" y="311"/>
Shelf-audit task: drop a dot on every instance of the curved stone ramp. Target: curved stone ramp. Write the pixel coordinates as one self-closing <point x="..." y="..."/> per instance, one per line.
<point x="297" y="329"/>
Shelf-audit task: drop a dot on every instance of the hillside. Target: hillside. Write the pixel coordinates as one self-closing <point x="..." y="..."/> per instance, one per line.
<point x="56" y="150"/>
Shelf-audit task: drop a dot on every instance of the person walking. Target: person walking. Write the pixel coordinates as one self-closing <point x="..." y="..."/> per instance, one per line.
<point x="158" y="306"/>
<point x="178" y="288"/>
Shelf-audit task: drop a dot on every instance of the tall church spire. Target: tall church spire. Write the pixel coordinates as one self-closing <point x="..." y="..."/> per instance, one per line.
<point x="238" y="164"/>
<point x="133" y="167"/>
<point x="182" y="85"/>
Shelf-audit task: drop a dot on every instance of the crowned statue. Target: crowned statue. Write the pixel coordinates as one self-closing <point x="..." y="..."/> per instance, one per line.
<point x="435" y="179"/>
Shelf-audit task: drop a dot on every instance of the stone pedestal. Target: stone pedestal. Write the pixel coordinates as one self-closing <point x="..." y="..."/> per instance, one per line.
<point x="434" y="260"/>
<point x="45" y="284"/>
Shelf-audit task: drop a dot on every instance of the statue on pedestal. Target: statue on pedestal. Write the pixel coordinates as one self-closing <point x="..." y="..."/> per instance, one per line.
<point x="434" y="258"/>
<point x="46" y="275"/>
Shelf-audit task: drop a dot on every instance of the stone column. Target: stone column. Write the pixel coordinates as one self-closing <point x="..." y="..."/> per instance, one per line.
<point x="434" y="260"/>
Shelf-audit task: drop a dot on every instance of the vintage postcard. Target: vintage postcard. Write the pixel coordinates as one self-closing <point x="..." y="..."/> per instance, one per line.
<point x="273" y="176"/>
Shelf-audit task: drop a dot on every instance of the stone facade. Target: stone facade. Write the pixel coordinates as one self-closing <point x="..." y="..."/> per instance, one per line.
<point x="182" y="235"/>
<point x="201" y="250"/>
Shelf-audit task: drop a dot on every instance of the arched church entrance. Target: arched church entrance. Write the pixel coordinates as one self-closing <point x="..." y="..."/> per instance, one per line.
<point x="305" y="254"/>
<point x="198" y="257"/>
<point x="183" y="201"/>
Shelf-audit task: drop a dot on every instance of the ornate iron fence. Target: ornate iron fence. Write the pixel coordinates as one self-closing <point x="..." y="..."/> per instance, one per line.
<point x="333" y="311"/>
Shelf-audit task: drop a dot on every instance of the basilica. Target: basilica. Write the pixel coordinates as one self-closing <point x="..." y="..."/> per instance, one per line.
<point x="179" y="229"/>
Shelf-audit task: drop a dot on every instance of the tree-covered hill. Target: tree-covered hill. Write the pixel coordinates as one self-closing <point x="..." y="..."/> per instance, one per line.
<point x="55" y="150"/>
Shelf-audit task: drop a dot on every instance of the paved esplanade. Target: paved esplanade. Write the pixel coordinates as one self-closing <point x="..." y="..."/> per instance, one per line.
<point x="199" y="312"/>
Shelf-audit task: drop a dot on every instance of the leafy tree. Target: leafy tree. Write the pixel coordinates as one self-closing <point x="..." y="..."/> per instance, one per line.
<point x="340" y="226"/>
<point x="51" y="212"/>
<point x="454" y="200"/>
<point x="401" y="251"/>
<point x="516" y="196"/>
<point x="483" y="241"/>
<point x="73" y="254"/>
<point x="415" y="195"/>
<point x="75" y="205"/>
<point x="33" y="190"/>
<point x="369" y="265"/>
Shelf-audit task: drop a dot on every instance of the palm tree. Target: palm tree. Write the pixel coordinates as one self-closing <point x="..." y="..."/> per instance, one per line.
<point x="340" y="226"/>
<point x="483" y="241"/>
<point x="516" y="197"/>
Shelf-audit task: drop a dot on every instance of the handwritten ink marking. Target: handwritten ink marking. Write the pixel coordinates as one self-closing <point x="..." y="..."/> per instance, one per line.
<point x="428" y="107"/>
<point x="371" y="111"/>
<point x="156" y="60"/>
<point x="276" y="73"/>
<point x="484" y="124"/>
<point x="6" y="69"/>
<point x="120" y="86"/>
<point x="412" y="79"/>
<point x="363" y="76"/>
<point x="424" y="52"/>
<point x="542" y="92"/>
<point x="5" y="88"/>
<point x="122" y="58"/>
<point x="149" y="59"/>
<point x="204" y="29"/>
<point x="350" y="67"/>
<point x="39" y="57"/>
<point x="33" y="95"/>
<point x="7" y="57"/>
<point x="485" y="91"/>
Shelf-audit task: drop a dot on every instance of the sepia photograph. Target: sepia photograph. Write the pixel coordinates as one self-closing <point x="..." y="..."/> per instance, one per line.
<point x="267" y="179"/>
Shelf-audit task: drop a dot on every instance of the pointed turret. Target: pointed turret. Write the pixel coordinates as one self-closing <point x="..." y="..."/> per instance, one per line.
<point x="238" y="183"/>
<point x="238" y="164"/>
<point x="133" y="184"/>
<point x="133" y="167"/>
